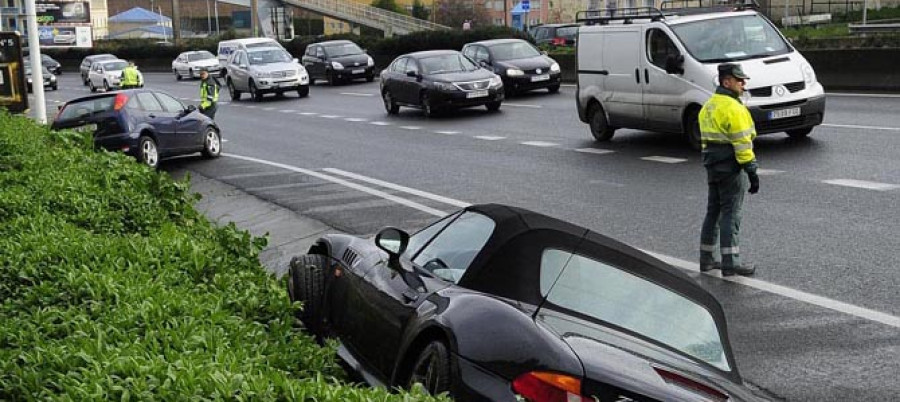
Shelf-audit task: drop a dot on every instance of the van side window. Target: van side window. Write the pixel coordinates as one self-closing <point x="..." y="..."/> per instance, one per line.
<point x="660" y="47"/>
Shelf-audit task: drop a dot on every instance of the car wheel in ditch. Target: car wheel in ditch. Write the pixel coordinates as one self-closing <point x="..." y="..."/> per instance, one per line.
<point x="432" y="369"/>
<point x="212" y="143"/>
<point x="148" y="154"/>
<point x="307" y="279"/>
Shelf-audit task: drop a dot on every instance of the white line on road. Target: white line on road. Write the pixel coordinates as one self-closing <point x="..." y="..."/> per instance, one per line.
<point x="768" y="172"/>
<point x="411" y="127"/>
<point x="330" y="116"/>
<point x="448" y="132"/>
<point x="664" y="159"/>
<point x="355" y="119"/>
<point x="286" y="111"/>
<point x="224" y="103"/>
<point x="380" y="123"/>
<point x="857" y="95"/>
<point x="543" y="144"/>
<point x="268" y="109"/>
<point x="251" y="106"/>
<point x="794" y="294"/>
<point x="868" y="185"/>
<point x="861" y="127"/>
<point x="356" y="94"/>
<point x="489" y="137"/>
<point x="309" y="113"/>
<point x="597" y="151"/>
<point x="522" y="105"/>
<point x="392" y="186"/>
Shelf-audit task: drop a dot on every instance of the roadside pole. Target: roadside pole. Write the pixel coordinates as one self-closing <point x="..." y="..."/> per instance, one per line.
<point x="37" y="75"/>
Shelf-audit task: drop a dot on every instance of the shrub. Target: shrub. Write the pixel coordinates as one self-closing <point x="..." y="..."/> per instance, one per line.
<point x="113" y="287"/>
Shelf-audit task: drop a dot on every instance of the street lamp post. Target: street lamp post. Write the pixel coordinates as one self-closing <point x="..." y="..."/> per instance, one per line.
<point x="216" y="8"/>
<point x="37" y="75"/>
<point x="208" y="20"/>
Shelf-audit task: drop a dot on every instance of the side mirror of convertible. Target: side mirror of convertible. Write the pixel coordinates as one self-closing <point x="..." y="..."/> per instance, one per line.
<point x="393" y="241"/>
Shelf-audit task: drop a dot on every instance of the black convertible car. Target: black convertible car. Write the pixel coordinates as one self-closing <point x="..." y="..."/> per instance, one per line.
<point x="499" y="303"/>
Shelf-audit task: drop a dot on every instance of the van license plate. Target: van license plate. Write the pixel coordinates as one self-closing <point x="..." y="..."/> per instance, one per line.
<point x="87" y="128"/>
<point x="477" y="94"/>
<point x="360" y="71"/>
<point x="783" y="113"/>
<point x="537" y="78"/>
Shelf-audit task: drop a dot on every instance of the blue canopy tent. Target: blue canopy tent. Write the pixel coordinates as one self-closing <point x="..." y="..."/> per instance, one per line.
<point x="140" y="15"/>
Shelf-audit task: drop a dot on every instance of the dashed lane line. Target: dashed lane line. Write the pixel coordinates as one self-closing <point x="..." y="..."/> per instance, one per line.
<point x="489" y="137"/>
<point x="523" y="105"/>
<point x="330" y="116"/>
<point x="596" y="151"/>
<point x="768" y="172"/>
<point x="411" y="127"/>
<point x="355" y="119"/>
<point x="868" y="185"/>
<point x="445" y="132"/>
<point x="309" y="113"/>
<point x="356" y="94"/>
<point x="380" y="123"/>
<point x="287" y="111"/>
<point x="540" y="144"/>
<point x="664" y="159"/>
<point x="861" y="127"/>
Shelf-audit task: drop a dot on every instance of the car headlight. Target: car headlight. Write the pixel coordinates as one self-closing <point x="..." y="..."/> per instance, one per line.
<point x="337" y="66"/>
<point x="29" y="80"/>
<point x="554" y="67"/>
<point x="444" y="86"/>
<point x="514" y="72"/>
<point x="52" y="78"/>
<point x="809" y="76"/>
<point x="496" y="81"/>
<point x="370" y="62"/>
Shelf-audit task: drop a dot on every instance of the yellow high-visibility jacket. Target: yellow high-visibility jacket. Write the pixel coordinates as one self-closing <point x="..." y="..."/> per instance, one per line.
<point x="131" y="77"/>
<point x="724" y="120"/>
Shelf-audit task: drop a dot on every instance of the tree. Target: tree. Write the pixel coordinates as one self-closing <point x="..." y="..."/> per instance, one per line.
<point x="390" y="5"/>
<point x="453" y="13"/>
<point x="419" y="11"/>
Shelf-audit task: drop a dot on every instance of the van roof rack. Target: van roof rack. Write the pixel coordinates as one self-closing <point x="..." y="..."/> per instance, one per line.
<point x="689" y="7"/>
<point x="626" y="14"/>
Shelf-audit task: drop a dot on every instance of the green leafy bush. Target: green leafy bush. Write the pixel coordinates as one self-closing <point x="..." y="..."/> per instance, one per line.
<point x="113" y="287"/>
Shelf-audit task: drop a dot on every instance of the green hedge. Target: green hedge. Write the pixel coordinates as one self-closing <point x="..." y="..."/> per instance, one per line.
<point x="113" y="287"/>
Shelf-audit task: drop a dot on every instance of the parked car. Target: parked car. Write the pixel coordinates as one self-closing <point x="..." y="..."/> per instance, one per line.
<point x="521" y="66"/>
<point x="498" y="303"/>
<point x="338" y="61"/>
<point x="89" y="61"/>
<point x="106" y="74"/>
<point x="189" y="64"/>
<point x="555" y="34"/>
<point x="436" y="80"/>
<point x="263" y="70"/>
<point x="144" y="123"/>
<point x="49" y="78"/>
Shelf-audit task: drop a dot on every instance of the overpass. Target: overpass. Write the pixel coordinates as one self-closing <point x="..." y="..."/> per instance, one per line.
<point x="389" y="22"/>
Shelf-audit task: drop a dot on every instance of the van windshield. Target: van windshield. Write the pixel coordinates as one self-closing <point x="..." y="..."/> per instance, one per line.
<point x="732" y="38"/>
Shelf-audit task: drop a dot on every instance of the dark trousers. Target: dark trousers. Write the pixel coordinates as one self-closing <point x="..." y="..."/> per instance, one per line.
<point x="210" y="111"/>
<point x="723" y="219"/>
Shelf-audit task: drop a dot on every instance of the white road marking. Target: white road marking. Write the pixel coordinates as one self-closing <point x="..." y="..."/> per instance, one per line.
<point x="857" y="95"/>
<point x="794" y="294"/>
<point x="355" y="119"/>
<point x="224" y="140"/>
<point x="597" y="151"/>
<point x="309" y="113"/>
<point x="768" y="172"/>
<point x="448" y="132"/>
<point x="356" y="94"/>
<point x="251" y="106"/>
<point x="568" y="85"/>
<point x="663" y="159"/>
<point x="330" y="116"/>
<point x="543" y="144"/>
<point x="224" y="103"/>
<point x="380" y="123"/>
<point x="489" y="137"/>
<point x="286" y="111"/>
<point x="868" y="185"/>
<point x="367" y="190"/>
<point x="268" y="109"/>
<point x="522" y="105"/>
<point x="392" y="186"/>
<point x="411" y="127"/>
<point x="862" y="127"/>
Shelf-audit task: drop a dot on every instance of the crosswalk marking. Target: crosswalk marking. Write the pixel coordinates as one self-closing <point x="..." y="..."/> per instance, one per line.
<point x="868" y="185"/>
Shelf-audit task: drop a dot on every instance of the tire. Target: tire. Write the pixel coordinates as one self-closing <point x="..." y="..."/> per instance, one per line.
<point x="191" y="73"/>
<point x="254" y="92"/>
<point x="91" y="86"/>
<point x="800" y="132"/>
<point x="493" y="106"/>
<point x="432" y="368"/>
<point x="54" y="87"/>
<point x="212" y="143"/>
<point x="331" y="80"/>
<point x="370" y="78"/>
<point x="600" y="128"/>
<point x="553" y="89"/>
<point x="177" y="76"/>
<point x="306" y="284"/>
<point x="84" y="80"/>
<point x="106" y="87"/>
<point x="148" y="154"/>
<point x="303" y="91"/>
<point x="234" y="93"/>
<point x="692" y="131"/>
<point x="427" y="108"/>
<point x="389" y="105"/>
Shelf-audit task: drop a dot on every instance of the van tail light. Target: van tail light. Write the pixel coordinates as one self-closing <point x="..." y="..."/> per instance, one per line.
<point x="121" y="99"/>
<point x="537" y="386"/>
<point x="691" y="385"/>
<point x="558" y="41"/>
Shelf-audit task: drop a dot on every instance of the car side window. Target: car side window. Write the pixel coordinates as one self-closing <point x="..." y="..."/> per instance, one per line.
<point x="169" y="103"/>
<point x="660" y="47"/>
<point x="310" y="51"/>
<point x="469" y="52"/>
<point x="320" y="52"/>
<point x="149" y="102"/>
<point x="541" y="34"/>
<point x="399" y="66"/>
<point x="481" y="54"/>
<point x="413" y="66"/>
<point x="133" y="104"/>
<point x="421" y="238"/>
<point x="449" y="255"/>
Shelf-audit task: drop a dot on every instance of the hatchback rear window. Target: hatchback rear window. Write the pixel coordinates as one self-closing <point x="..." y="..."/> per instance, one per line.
<point x="86" y="108"/>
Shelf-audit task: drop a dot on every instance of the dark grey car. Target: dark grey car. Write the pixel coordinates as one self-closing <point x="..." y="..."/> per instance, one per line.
<point x="522" y="66"/>
<point x="338" y="61"/>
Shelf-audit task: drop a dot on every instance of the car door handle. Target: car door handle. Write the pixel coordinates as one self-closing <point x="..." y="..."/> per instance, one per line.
<point x="603" y="72"/>
<point x="410" y="296"/>
<point x="151" y="115"/>
<point x="637" y="75"/>
<point x="646" y="76"/>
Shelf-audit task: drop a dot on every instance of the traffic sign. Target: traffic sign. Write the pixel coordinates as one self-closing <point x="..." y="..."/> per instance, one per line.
<point x="526" y="5"/>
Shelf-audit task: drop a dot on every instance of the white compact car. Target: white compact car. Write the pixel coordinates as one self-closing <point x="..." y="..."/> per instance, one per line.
<point x="189" y="64"/>
<point x="106" y="74"/>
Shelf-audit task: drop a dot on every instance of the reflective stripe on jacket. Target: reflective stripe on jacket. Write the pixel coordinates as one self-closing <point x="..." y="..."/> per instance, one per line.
<point x="130" y="77"/>
<point x="725" y="120"/>
<point x="207" y="96"/>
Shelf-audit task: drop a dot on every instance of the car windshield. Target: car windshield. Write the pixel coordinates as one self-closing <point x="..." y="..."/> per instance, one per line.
<point x="732" y="38"/>
<point x="115" y="65"/>
<point x="567" y="32"/>
<point x="265" y="43"/>
<point x="447" y="63"/>
<point x="514" y="50"/>
<point x="269" y="56"/>
<point x="85" y="108"/>
<point x="344" y="49"/>
<point x="614" y="296"/>
<point x="200" y="56"/>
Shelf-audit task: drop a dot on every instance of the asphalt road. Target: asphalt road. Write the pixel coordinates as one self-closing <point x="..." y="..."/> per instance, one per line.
<point x="820" y="321"/>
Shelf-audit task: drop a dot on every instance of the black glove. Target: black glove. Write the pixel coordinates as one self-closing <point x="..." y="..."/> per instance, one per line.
<point x="754" y="183"/>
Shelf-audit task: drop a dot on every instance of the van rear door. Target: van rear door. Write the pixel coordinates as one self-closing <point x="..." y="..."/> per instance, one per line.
<point x="623" y="86"/>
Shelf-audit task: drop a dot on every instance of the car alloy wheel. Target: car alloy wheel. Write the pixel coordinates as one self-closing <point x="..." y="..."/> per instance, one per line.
<point x="212" y="143"/>
<point x="254" y="92"/>
<point x="91" y="86"/>
<point x="426" y="105"/>
<point x="235" y="94"/>
<point x="106" y="86"/>
<point x="177" y="76"/>
<point x="432" y="369"/>
<point x="148" y="153"/>
<point x="389" y="104"/>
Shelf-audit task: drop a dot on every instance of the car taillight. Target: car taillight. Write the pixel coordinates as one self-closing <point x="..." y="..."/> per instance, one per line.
<point x="691" y="385"/>
<point x="121" y="99"/>
<point x="558" y="41"/>
<point x="538" y="386"/>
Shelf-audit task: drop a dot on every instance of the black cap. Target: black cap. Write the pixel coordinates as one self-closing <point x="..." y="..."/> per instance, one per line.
<point x="734" y="70"/>
<point x="204" y="69"/>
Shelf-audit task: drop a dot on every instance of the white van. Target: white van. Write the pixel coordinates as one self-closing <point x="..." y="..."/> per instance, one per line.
<point x="227" y="47"/>
<point x="653" y="70"/>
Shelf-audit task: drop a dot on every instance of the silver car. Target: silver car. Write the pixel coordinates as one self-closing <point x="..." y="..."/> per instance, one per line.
<point x="189" y="64"/>
<point x="106" y="74"/>
<point x="263" y="70"/>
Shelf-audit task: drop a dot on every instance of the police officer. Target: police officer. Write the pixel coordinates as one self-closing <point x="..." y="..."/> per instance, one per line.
<point x="131" y="77"/>
<point x="209" y="94"/>
<point x="727" y="133"/>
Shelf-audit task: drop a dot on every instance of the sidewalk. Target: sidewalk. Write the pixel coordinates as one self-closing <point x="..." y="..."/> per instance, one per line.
<point x="289" y="233"/>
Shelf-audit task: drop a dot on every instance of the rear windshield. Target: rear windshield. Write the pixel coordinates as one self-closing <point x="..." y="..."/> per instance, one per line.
<point x="200" y="56"/>
<point x="86" y="108"/>
<point x="116" y="65"/>
<point x="567" y="32"/>
<point x="613" y="296"/>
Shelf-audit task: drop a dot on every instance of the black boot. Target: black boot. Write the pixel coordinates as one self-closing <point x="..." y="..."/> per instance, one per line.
<point x="744" y="269"/>
<point x="710" y="266"/>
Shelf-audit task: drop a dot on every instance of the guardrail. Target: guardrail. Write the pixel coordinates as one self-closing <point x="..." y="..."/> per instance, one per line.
<point x="388" y="21"/>
<point x="874" y="28"/>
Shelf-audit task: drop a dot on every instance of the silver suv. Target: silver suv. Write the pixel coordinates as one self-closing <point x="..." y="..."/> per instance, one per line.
<point x="263" y="70"/>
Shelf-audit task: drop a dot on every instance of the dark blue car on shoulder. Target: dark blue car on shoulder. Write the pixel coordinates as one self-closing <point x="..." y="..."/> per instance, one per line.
<point x="144" y="123"/>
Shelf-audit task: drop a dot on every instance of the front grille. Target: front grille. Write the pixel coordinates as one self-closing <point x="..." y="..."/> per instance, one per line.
<point x="795" y="86"/>
<point x="763" y="92"/>
<point x="474" y="85"/>
<point x="284" y="74"/>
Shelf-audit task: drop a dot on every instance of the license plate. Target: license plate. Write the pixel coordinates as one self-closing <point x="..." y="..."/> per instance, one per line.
<point x="87" y="128"/>
<point x="780" y="114"/>
<point x="537" y="78"/>
<point x="360" y="71"/>
<point x="287" y="84"/>
<point x="477" y="94"/>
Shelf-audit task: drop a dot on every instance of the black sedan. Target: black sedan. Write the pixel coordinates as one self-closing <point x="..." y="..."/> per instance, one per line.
<point x="522" y="66"/>
<point x="338" y="61"/>
<point x="144" y="123"/>
<point x="438" y="80"/>
<point x="503" y="304"/>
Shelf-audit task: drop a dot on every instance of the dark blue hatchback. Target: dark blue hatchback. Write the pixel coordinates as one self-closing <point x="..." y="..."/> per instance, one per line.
<point x="144" y="123"/>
